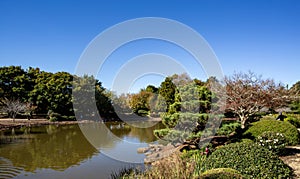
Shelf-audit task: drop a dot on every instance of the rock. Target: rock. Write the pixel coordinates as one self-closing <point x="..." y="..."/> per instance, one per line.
<point x="143" y="150"/>
<point x="148" y="153"/>
<point x="159" y="152"/>
<point x="193" y="147"/>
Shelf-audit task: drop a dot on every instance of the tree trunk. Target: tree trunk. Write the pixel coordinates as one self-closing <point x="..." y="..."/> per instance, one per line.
<point x="14" y="116"/>
<point x="243" y="121"/>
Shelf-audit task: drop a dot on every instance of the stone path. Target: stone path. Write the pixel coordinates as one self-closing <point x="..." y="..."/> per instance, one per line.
<point x="293" y="159"/>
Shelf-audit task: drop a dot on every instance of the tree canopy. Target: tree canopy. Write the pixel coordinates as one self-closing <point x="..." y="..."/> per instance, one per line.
<point x="52" y="93"/>
<point x="248" y="93"/>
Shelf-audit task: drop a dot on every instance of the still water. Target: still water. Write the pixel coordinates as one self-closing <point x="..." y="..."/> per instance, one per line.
<point x="67" y="152"/>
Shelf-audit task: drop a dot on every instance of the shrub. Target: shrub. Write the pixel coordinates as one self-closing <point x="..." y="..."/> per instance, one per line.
<point x="250" y="159"/>
<point x="247" y="141"/>
<point x="221" y="173"/>
<point x="287" y="129"/>
<point x="227" y="129"/>
<point x="273" y="141"/>
<point x="294" y="120"/>
<point x="170" y="167"/>
<point x="126" y="172"/>
<point x="268" y="117"/>
<point x="161" y="133"/>
<point x="142" y="112"/>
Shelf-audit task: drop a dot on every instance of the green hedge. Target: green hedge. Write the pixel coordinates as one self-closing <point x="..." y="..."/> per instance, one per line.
<point x="250" y="159"/>
<point x="288" y="130"/>
<point x="221" y="173"/>
<point x="227" y="129"/>
<point x="294" y="120"/>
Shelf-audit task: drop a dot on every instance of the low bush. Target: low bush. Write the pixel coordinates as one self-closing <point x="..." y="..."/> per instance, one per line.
<point x="268" y="117"/>
<point x="273" y="141"/>
<point x="126" y="172"/>
<point x="142" y="112"/>
<point x="294" y="120"/>
<point x="288" y="130"/>
<point x="161" y="133"/>
<point x="250" y="159"/>
<point x="171" y="167"/>
<point x="221" y="173"/>
<point x="227" y="129"/>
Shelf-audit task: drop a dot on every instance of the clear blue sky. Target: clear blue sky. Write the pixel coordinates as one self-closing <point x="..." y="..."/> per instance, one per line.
<point x="258" y="35"/>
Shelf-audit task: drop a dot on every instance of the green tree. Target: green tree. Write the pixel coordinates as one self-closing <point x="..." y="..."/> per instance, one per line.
<point x="140" y="101"/>
<point x="52" y="92"/>
<point x="121" y="103"/>
<point x="14" y="83"/>
<point x="86" y="92"/>
<point x="167" y="91"/>
<point x="295" y="105"/>
<point x="188" y="113"/>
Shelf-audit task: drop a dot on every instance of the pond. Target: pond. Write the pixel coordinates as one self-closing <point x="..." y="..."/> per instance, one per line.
<point x="90" y="150"/>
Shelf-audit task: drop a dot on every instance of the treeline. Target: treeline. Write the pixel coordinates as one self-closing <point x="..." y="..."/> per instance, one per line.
<point x="167" y="97"/>
<point x="50" y="95"/>
<point x="46" y="94"/>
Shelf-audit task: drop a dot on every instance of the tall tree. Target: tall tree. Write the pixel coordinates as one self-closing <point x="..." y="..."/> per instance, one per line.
<point x="14" y="83"/>
<point x="140" y="101"/>
<point x="86" y="92"/>
<point x="167" y="91"/>
<point x="52" y="92"/>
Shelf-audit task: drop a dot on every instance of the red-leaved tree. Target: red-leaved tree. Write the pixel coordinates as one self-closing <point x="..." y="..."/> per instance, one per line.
<point x="248" y="93"/>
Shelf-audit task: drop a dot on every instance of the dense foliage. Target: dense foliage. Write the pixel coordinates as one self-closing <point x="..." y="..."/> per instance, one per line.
<point x="294" y="119"/>
<point x="49" y="94"/>
<point x="188" y="113"/>
<point x="250" y="159"/>
<point x="273" y="141"/>
<point x="295" y="106"/>
<point x="288" y="130"/>
<point x="229" y="128"/>
<point x="221" y="173"/>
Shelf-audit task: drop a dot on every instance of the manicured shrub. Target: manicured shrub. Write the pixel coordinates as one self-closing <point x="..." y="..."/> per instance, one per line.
<point x="250" y="159"/>
<point x="142" y="112"/>
<point x="247" y="141"/>
<point x="288" y="130"/>
<point x="221" y="173"/>
<point x="273" y="141"/>
<point x="268" y="117"/>
<point x="160" y="133"/>
<point x="294" y="120"/>
<point x="227" y="129"/>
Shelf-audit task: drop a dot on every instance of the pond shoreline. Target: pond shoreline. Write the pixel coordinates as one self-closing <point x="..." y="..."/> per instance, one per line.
<point x="7" y="123"/>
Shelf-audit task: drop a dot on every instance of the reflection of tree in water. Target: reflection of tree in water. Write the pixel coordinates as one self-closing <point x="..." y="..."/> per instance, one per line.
<point x="119" y="129"/>
<point x="55" y="147"/>
<point x="145" y="134"/>
<point x="59" y="147"/>
<point x="140" y="130"/>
